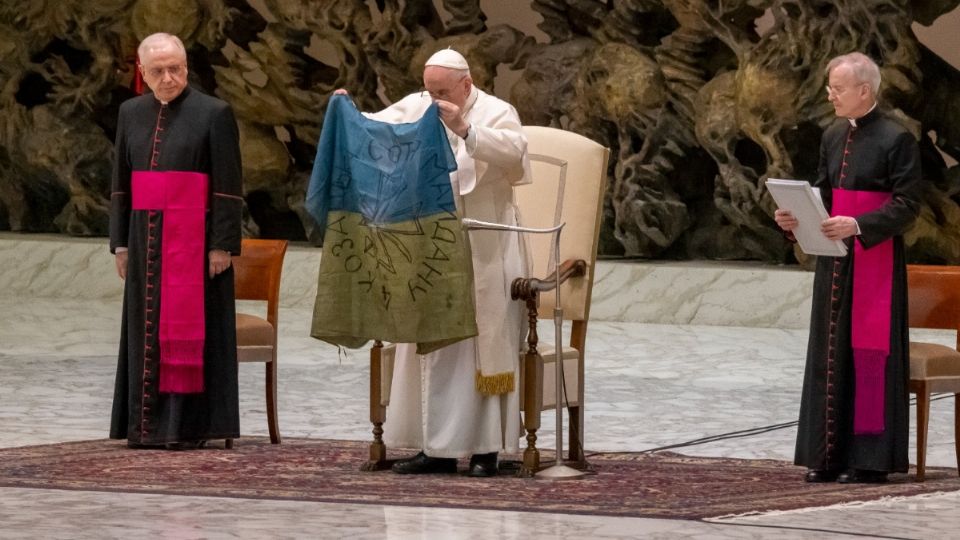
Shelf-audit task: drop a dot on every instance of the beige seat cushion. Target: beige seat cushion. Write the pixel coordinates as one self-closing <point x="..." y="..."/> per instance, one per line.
<point x="387" y="356"/>
<point x="931" y="360"/>
<point x="253" y="331"/>
<point x="571" y="376"/>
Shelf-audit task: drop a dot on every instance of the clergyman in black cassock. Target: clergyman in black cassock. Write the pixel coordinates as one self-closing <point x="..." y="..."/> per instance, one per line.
<point x="853" y="416"/>
<point x="175" y="130"/>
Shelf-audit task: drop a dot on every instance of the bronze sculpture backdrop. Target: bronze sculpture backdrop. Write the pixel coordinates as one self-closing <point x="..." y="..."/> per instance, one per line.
<point x="697" y="106"/>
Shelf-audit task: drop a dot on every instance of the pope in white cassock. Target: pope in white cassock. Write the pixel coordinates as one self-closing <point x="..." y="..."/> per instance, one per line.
<point x="462" y="400"/>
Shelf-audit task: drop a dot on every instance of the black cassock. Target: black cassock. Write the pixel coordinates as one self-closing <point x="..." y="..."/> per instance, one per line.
<point x="196" y="133"/>
<point x="880" y="156"/>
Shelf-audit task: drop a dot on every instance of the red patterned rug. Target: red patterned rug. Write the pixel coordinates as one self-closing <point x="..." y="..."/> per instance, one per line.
<point x="663" y="485"/>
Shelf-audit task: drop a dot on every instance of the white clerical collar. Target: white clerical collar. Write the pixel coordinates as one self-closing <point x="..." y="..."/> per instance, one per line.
<point x="853" y="121"/>
<point x="471" y="99"/>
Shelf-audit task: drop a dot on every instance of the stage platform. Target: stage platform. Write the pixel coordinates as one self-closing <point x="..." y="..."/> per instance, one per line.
<point x="675" y="352"/>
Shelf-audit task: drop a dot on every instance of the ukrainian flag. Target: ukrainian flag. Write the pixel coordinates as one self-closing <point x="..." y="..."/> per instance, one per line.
<point x="396" y="262"/>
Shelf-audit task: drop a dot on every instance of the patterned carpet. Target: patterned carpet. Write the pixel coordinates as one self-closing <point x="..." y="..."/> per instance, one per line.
<point x="663" y="485"/>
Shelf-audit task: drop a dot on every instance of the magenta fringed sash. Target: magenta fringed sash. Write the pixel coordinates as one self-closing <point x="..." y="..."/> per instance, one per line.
<point x="872" y="301"/>
<point x="182" y="197"/>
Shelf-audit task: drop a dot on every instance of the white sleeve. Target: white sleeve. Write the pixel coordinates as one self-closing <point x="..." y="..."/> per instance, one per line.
<point x="471" y="140"/>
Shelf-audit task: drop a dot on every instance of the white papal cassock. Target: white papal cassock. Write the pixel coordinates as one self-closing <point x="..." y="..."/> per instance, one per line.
<point x="434" y="401"/>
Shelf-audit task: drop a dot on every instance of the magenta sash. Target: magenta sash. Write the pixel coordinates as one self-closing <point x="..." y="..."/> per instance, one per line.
<point x="182" y="197"/>
<point x="872" y="302"/>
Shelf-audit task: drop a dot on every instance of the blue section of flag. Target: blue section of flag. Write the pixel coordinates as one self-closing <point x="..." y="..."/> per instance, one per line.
<point x="385" y="172"/>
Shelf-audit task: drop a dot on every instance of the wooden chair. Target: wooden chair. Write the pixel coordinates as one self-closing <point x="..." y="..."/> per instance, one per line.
<point x="569" y="181"/>
<point x="934" y="302"/>
<point x="257" y="277"/>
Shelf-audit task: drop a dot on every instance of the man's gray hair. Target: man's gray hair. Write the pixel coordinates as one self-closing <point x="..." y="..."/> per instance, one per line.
<point x="863" y="67"/>
<point x="159" y="41"/>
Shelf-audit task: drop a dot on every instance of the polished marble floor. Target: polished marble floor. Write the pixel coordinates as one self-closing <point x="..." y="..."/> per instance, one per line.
<point x="648" y="385"/>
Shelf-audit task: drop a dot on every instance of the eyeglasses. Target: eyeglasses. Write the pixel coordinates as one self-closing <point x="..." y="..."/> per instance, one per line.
<point x="173" y="71"/>
<point x="837" y="90"/>
<point x="443" y="95"/>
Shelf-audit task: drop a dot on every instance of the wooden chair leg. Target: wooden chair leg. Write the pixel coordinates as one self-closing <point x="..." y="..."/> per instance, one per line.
<point x="956" y="428"/>
<point x="228" y="444"/>
<point x="378" y="413"/>
<point x="578" y="337"/>
<point x="532" y="388"/>
<point x="532" y="403"/>
<point x="923" y="415"/>
<point x="271" y="385"/>
<point x="575" y="439"/>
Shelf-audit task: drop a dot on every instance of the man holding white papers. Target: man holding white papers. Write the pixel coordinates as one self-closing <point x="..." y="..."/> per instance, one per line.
<point x="854" y="407"/>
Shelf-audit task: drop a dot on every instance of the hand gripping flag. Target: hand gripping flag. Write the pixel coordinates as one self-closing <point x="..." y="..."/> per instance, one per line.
<point x="396" y="263"/>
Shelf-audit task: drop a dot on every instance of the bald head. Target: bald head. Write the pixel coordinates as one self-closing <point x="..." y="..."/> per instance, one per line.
<point x="861" y="66"/>
<point x="163" y="65"/>
<point x="853" y="83"/>
<point x="161" y="43"/>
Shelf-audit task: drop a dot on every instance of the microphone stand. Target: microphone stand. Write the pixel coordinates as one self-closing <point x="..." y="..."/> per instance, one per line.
<point x="558" y="470"/>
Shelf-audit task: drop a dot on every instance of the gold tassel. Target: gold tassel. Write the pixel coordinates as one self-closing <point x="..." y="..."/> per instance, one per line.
<point x="493" y="385"/>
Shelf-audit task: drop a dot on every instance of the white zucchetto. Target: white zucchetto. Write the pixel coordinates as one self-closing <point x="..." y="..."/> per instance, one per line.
<point x="448" y="58"/>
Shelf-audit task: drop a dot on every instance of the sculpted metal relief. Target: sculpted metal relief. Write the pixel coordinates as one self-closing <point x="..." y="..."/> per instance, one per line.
<point x="697" y="104"/>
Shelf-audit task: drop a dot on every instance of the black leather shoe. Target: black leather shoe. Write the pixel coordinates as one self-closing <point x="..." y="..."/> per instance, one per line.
<point x="185" y="445"/>
<point x="816" y="476"/>
<point x="141" y="446"/>
<point x="483" y="465"/>
<point x="424" y="464"/>
<point x="862" y="476"/>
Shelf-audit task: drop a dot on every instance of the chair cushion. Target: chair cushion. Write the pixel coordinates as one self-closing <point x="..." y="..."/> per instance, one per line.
<point x="546" y="351"/>
<point x="571" y="376"/>
<point x="253" y="331"/>
<point x="387" y="356"/>
<point x="933" y="360"/>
